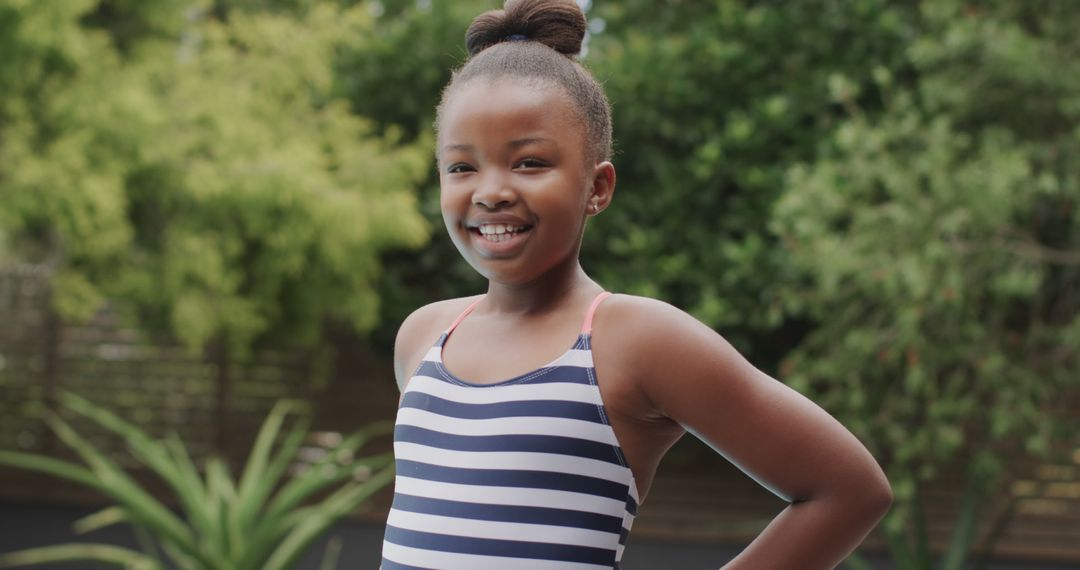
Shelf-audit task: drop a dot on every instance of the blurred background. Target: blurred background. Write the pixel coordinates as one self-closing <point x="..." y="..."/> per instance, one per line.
<point x="208" y="207"/>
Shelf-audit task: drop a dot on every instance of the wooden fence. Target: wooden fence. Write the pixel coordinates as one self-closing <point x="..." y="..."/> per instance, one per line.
<point x="161" y="386"/>
<point x="165" y="388"/>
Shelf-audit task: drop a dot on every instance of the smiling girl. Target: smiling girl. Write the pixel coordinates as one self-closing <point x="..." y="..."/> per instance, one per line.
<point x="529" y="433"/>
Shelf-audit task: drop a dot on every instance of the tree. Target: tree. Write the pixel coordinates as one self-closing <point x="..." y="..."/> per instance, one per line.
<point x="397" y="79"/>
<point x="705" y="127"/>
<point x="936" y="247"/>
<point x="712" y="103"/>
<point x="197" y="170"/>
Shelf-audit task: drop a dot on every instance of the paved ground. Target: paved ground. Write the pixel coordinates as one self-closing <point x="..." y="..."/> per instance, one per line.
<point x="27" y="525"/>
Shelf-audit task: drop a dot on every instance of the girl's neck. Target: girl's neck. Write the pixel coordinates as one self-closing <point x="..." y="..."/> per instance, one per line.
<point x="543" y="294"/>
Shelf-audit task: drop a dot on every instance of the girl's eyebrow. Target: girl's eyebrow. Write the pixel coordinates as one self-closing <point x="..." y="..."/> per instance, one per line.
<point x="518" y="143"/>
<point x="514" y="144"/>
<point x="461" y="147"/>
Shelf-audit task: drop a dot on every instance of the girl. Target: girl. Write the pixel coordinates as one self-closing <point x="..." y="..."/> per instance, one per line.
<point x="530" y="432"/>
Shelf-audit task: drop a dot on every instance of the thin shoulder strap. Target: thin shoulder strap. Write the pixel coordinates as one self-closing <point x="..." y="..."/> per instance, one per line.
<point x="587" y="327"/>
<point x="463" y="314"/>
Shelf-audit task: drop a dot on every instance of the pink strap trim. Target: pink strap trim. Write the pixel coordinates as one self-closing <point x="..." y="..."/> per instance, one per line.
<point x="587" y="327"/>
<point x="464" y="314"/>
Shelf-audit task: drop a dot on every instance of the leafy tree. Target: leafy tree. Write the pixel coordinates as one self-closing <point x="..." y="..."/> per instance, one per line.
<point x="936" y="248"/>
<point x="195" y="167"/>
<point x="199" y="170"/>
<point x="713" y="102"/>
<point x="396" y="78"/>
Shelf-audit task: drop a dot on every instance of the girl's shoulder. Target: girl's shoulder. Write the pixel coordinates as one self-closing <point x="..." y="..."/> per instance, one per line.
<point x="431" y="314"/>
<point x="652" y="339"/>
<point x="419" y="332"/>
<point x="640" y="319"/>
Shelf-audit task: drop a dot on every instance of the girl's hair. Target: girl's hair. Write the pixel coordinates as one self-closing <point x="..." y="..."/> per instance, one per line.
<point x="536" y="40"/>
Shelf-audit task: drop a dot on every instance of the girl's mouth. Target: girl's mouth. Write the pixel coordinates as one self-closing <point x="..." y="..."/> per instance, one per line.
<point x="497" y="233"/>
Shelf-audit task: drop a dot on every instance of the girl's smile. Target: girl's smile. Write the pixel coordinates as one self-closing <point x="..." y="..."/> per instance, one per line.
<point x="499" y="234"/>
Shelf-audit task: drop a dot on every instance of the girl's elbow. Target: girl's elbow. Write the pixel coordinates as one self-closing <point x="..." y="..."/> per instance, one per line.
<point x="877" y="496"/>
<point x="866" y="495"/>
<point x="884" y="500"/>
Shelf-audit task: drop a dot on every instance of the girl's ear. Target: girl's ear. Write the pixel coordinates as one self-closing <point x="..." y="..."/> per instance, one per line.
<point x="603" y="187"/>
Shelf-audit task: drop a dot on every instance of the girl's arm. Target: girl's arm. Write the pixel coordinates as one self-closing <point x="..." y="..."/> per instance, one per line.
<point x="837" y="491"/>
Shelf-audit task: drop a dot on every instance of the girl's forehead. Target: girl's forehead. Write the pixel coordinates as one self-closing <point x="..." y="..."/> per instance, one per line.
<point x="505" y="103"/>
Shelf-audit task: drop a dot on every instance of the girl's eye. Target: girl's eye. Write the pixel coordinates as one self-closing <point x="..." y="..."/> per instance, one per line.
<point x="459" y="167"/>
<point x="531" y="163"/>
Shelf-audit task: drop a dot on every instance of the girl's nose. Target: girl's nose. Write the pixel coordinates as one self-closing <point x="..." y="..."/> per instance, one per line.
<point x="493" y="193"/>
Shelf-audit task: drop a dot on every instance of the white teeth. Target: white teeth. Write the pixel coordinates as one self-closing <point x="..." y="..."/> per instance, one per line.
<point x="499" y="229"/>
<point x="499" y="232"/>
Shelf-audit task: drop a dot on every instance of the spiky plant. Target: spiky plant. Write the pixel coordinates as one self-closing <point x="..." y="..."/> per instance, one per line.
<point x="250" y="524"/>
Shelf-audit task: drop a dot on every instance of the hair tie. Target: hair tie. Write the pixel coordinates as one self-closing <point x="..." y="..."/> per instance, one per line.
<point x="516" y="38"/>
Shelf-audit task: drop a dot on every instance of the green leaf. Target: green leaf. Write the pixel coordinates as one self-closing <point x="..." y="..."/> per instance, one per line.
<point x="258" y="481"/>
<point x="198" y="511"/>
<point x="317" y="478"/>
<point x="101" y="519"/>
<point x="281" y="513"/>
<point x="150" y="453"/>
<point x="118" y="485"/>
<point x="220" y="500"/>
<point x="55" y="467"/>
<point x="332" y="553"/>
<point x="80" y="552"/>
<point x="322" y="517"/>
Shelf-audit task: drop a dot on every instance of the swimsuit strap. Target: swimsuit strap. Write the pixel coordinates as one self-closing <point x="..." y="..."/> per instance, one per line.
<point x="463" y="314"/>
<point x="587" y="327"/>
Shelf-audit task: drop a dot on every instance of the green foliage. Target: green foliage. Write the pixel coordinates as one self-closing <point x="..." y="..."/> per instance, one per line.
<point x="936" y="248"/>
<point x="204" y="176"/>
<point x="396" y="78"/>
<point x="263" y="521"/>
<point x="704" y="127"/>
<point x="878" y="199"/>
<point x="713" y="102"/>
<point x="874" y="198"/>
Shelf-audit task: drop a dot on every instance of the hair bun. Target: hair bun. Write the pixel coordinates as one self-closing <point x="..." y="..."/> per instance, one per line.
<point x="558" y="24"/>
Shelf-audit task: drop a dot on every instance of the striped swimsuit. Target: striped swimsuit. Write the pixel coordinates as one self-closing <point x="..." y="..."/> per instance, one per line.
<point x="523" y="474"/>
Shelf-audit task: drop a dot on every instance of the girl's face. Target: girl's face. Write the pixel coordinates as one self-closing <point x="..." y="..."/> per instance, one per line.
<point x="516" y="183"/>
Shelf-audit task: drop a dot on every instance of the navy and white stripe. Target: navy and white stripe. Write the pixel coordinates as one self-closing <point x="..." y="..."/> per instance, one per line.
<point x="524" y="474"/>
